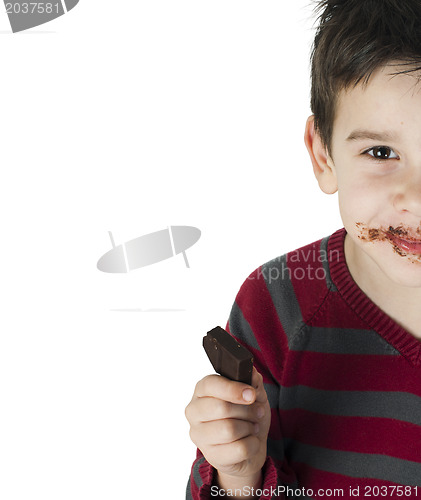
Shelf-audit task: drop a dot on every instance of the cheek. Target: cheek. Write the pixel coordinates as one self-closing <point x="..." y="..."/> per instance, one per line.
<point x="356" y="202"/>
<point x="361" y="198"/>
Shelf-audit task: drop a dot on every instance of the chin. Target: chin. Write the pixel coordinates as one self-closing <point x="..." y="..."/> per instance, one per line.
<point x="407" y="281"/>
<point x="404" y="270"/>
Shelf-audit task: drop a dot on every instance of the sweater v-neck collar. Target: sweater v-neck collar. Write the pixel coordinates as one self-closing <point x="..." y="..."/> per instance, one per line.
<point x="364" y="307"/>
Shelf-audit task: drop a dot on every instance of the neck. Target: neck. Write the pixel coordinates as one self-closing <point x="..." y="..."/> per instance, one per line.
<point x="399" y="302"/>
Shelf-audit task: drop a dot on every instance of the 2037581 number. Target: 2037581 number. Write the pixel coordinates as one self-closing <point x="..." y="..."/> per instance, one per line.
<point x="382" y="491"/>
<point x="32" y="8"/>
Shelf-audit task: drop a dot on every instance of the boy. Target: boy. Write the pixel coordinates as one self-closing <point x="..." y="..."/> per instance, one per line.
<point x="335" y="327"/>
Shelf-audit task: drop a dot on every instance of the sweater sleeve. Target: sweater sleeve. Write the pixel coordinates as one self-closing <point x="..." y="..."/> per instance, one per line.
<point x="255" y="324"/>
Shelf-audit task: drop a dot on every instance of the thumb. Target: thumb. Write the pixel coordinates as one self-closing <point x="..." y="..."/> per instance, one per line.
<point x="257" y="383"/>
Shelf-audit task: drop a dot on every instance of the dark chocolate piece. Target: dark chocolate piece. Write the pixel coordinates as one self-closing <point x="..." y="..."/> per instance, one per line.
<point x="228" y="357"/>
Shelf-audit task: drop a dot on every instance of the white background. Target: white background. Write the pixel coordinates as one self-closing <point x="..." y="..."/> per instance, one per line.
<point x="129" y="117"/>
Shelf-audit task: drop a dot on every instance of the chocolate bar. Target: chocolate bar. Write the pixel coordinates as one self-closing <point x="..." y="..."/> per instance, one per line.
<point x="228" y="357"/>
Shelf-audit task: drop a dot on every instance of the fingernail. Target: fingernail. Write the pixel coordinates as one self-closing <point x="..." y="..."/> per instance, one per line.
<point x="247" y="395"/>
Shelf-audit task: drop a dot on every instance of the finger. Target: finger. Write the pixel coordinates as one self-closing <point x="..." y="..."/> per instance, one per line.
<point x="208" y="409"/>
<point x="223" y="431"/>
<point x="257" y="383"/>
<point x="234" y="453"/>
<point x="220" y="387"/>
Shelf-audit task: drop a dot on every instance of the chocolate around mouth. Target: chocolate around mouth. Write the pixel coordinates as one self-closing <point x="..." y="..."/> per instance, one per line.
<point x="393" y="235"/>
<point x="404" y="234"/>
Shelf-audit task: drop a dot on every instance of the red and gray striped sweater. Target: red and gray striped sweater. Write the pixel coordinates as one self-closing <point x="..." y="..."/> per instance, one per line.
<point x="343" y="381"/>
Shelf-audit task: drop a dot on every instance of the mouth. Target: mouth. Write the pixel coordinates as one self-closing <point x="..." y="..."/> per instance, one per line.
<point x="404" y="240"/>
<point x="408" y="245"/>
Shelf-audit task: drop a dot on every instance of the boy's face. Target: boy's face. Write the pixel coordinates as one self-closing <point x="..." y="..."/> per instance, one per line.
<point x="376" y="165"/>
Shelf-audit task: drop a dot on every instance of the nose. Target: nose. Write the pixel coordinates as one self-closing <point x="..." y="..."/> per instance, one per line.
<point x="408" y="196"/>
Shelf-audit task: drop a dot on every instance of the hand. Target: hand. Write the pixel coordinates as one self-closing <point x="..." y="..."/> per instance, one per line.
<point x="229" y="423"/>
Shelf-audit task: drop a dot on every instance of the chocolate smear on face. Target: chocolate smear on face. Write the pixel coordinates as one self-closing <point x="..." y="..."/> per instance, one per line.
<point x="399" y="231"/>
<point x="368" y="234"/>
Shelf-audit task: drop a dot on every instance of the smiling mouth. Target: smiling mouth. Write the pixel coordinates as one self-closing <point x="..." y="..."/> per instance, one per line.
<point x="407" y="245"/>
<point x="402" y="239"/>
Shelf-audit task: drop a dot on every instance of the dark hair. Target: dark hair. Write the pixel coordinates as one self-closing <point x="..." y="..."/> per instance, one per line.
<point x="353" y="39"/>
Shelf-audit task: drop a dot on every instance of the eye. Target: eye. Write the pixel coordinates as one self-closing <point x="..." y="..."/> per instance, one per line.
<point x="382" y="153"/>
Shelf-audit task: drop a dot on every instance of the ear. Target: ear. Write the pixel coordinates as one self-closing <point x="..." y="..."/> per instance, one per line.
<point x="323" y="166"/>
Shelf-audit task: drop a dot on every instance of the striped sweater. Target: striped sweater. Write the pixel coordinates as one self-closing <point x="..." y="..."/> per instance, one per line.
<point x="342" y="378"/>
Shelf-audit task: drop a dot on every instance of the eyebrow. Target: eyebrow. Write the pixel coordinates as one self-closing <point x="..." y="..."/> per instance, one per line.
<point x="360" y="134"/>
